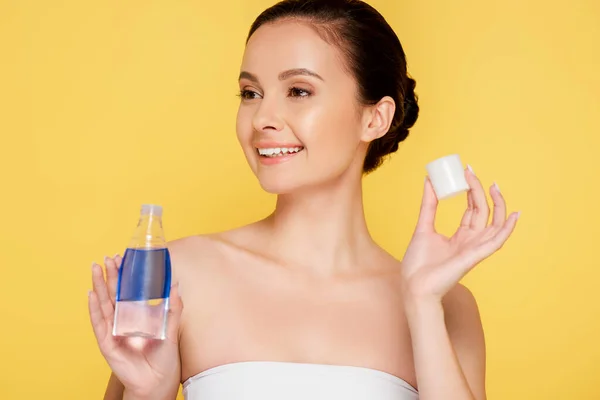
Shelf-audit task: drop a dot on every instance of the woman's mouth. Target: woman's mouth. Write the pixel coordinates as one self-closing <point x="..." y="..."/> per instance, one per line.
<point x="273" y="152"/>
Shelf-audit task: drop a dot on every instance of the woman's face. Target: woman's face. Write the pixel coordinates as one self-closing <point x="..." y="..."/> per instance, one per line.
<point x="298" y="122"/>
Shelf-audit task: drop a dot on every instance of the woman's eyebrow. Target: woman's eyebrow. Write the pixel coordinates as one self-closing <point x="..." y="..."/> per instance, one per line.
<point x="282" y="76"/>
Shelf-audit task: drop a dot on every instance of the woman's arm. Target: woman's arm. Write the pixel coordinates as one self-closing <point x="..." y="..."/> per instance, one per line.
<point x="442" y="315"/>
<point x="114" y="389"/>
<point x="448" y="346"/>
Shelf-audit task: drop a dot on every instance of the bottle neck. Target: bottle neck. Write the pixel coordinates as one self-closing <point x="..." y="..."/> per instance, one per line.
<point x="148" y="233"/>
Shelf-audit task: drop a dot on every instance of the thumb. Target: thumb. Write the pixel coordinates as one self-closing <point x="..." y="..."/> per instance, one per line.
<point x="429" y="203"/>
<point x="174" y="315"/>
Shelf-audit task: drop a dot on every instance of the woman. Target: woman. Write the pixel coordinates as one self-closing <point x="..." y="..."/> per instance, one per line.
<point x="304" y="304"/>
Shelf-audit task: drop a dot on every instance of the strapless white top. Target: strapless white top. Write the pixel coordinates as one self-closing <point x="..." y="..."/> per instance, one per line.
<point x="275" y="380"/>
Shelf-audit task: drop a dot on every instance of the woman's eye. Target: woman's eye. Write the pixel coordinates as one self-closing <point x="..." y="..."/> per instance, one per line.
<point x="297" y="92"/>
<point x="248" y="95"/>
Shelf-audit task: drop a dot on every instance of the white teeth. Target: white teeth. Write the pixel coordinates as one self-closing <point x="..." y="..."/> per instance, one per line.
<point x="278" y="151"/>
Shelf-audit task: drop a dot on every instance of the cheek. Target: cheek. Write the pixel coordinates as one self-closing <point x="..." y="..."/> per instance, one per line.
<point x="244" y="128"/>
<point x="330" y="134"/>
<point x="244" y="132"/>
<point x="242" y="125"/>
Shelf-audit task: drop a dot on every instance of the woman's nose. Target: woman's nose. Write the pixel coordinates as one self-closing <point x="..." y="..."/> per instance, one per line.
<point x="268" y="116"/>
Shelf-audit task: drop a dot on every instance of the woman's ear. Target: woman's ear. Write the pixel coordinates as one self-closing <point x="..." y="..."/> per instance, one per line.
<point x="377" y="119"/>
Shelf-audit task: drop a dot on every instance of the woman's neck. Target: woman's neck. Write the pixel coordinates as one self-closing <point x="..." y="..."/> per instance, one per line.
<point x="322" y="230"/>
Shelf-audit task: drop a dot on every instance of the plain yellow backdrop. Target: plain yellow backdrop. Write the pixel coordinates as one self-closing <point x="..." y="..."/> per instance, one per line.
<point x="108" y="105"/>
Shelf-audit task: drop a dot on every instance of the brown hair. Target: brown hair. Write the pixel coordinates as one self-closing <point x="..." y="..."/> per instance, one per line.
<point x="373" y="55"/>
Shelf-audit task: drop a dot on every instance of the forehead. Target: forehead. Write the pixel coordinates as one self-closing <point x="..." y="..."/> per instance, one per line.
<point x="280" y="46"/>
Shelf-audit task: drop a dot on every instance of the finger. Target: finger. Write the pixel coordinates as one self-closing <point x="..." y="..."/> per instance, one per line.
<point x="102" y="292"/>
<point x="499" y="216"/>
<point x="461" y="265"/>
<point x="112" y="276"/>
<point x="97" y="317"/>
<point x="426" y="221"/>
<point x="174" y="316"/>
<point x="465" y="222"/>
<point x="497" y="241"/>
<point x="481" y="209"/>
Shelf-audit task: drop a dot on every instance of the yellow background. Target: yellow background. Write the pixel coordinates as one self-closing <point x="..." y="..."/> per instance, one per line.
<point x="108" y="105"/>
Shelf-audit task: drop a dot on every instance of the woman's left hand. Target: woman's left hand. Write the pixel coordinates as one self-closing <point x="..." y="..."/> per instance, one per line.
<point x="433" y="263"/>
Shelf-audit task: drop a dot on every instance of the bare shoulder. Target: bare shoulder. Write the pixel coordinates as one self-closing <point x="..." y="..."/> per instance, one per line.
<point x="461" y="311"/>
<point x="201" y="253"/>
<point x="191" y="246"/>
<point x="460" y="302"/>
<point x="463" y="322"/>
<point x="191" y="251"/>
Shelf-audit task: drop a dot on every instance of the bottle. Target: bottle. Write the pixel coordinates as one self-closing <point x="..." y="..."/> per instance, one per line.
<point x="144" y="283"/>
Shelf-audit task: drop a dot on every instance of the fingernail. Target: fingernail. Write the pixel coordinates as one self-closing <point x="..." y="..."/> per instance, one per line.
<point x="106" y="259"/>
<point x="89" y="293"/>
<point x="470" y="169"/>
<point x="496" y="186"/>
<point x="518" y="214"/>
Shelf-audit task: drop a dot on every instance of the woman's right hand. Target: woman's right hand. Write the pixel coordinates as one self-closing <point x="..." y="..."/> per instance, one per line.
<point x="146" y="368"/>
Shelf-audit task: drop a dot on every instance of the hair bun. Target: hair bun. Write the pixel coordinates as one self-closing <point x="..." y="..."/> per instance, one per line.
<point x="409" y="113"/>
<point x="411" y="105"/>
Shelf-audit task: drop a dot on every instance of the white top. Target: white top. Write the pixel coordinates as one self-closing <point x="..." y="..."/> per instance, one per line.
<point x="274" y="380"/>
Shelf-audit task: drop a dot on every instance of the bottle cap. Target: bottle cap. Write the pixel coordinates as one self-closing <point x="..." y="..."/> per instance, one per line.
<point x="447" y="176"/>
<point x="152" y="209"/>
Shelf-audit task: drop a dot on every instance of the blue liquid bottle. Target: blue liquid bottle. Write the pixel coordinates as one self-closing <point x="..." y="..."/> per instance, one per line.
<point x="143" y="287"/>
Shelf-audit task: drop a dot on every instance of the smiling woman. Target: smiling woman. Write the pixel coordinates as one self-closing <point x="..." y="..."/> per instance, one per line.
<point x="323" y="79"/>
<point x="310" y="306"/>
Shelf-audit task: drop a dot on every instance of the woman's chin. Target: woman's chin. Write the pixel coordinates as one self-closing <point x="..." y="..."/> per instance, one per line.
<point x="284" y="184"/>
<point x="278" y="187"/>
